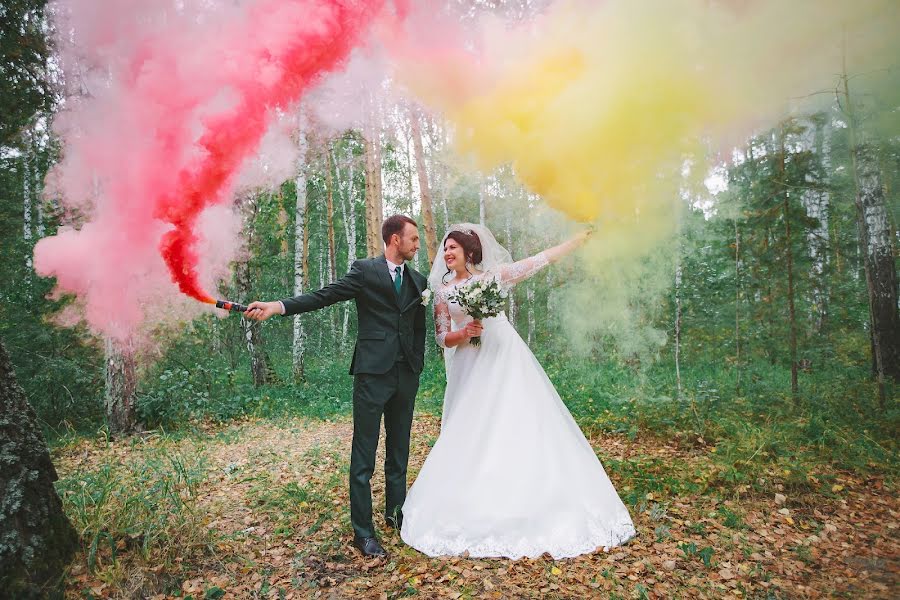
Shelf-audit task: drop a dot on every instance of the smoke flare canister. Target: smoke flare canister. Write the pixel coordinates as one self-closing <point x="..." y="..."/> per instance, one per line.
<point x="230" y="306"/>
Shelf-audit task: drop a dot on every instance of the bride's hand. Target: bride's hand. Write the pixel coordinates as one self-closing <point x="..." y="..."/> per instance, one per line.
<point x="473" y="329"/>
<point x="586" y="234"/>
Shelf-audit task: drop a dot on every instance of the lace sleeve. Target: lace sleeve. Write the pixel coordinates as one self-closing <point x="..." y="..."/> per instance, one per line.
<point x="523" y="269"/>
<point x="441" y="319"/>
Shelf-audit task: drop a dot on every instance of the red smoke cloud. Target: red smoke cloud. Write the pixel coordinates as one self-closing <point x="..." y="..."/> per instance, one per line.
<point x="176" y="103"/>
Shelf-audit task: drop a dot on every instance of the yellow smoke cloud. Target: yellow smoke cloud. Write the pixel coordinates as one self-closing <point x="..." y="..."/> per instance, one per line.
<point x="598" y="105"/>
<point x="596" y="102"/>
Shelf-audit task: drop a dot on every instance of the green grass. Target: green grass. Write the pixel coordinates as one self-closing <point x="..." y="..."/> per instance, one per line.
<point x="148" y="503"/>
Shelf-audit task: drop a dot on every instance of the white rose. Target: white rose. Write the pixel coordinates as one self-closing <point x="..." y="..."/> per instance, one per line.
<point x="426" y="297"/>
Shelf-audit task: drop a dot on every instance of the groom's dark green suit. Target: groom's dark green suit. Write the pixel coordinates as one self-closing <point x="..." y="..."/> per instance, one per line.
<point x="387" y="361"/>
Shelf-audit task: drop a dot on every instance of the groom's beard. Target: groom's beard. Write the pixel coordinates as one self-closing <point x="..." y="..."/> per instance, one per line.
<point x="410" y="255"/>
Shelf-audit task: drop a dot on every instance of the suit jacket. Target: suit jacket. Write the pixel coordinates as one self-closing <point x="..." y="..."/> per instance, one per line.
<point x="389" y="326"/>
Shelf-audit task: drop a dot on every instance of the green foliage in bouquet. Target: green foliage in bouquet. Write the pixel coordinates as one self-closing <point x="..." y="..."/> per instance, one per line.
<point x="480" y="300"/>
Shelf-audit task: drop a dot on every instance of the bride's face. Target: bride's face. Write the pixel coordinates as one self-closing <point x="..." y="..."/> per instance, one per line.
<point x="454" y="256"/>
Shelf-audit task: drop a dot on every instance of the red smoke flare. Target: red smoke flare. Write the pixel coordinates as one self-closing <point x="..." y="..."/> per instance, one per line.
<point x="230" y="138"/>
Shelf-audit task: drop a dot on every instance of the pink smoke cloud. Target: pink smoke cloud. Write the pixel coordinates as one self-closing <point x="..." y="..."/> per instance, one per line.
<point x="168" y="107"/>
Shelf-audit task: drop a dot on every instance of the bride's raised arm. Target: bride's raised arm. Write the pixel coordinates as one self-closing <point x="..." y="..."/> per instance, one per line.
<point x="523" y="269"/>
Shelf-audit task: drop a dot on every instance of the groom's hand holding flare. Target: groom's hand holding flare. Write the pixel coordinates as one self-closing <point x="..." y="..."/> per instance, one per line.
<point x="260" y="311"/>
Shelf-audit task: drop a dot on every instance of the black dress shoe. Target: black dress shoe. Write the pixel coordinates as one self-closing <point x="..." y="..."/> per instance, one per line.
<point x="369" y="546"/>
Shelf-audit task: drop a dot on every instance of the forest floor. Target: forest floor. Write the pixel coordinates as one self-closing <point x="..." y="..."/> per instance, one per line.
<point x="259" y="509"/>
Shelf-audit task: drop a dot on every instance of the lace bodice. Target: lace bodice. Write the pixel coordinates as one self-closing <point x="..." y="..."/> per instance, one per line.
<point x="448" y="316"/>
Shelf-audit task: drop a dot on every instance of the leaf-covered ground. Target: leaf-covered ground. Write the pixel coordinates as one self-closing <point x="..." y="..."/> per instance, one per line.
<point x="259" y="509"/>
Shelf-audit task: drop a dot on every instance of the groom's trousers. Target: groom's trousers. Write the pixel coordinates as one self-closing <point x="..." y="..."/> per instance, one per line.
<point x="393" y="395"/>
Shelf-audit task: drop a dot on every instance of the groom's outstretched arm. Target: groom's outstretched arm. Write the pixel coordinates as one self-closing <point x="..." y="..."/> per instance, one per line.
<point x="344" y="288"/>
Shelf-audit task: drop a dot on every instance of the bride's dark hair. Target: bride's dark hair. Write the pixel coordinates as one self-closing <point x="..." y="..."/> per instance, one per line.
<point x="471" y="246"/>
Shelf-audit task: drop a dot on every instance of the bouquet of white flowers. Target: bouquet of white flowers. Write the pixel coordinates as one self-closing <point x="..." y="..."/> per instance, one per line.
<point x="480" y="300"/>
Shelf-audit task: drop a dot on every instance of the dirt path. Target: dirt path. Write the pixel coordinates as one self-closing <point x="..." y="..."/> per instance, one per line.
<point x="260" y="509"/>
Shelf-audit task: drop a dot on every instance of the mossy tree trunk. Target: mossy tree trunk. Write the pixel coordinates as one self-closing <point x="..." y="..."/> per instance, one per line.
<point x="36" y="539"/>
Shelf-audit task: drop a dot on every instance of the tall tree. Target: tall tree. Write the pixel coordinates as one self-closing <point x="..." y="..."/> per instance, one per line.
<point x="37" y="541"/>
<point x="374" y="208"/>
<point x="348" y="214"/>
<point x="431" y="242"/>
<point x="301" y="261"/>
<point x="25" y="84"/>
<point x="261" y="370"/>
<point x="329" y="182"/>
<point x="876" y="241"/>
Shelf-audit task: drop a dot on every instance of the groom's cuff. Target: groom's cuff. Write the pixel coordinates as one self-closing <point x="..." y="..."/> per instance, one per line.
<point x="280" y="303"/>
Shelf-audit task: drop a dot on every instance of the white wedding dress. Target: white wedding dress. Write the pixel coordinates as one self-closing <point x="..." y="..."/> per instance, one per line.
<point x="511" y="474"/>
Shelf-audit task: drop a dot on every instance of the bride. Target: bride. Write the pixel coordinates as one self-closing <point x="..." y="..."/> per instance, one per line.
<point x="511" y="474"/>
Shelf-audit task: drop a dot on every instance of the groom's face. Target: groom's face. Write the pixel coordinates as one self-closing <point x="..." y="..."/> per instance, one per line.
<point x="408" y="241"/>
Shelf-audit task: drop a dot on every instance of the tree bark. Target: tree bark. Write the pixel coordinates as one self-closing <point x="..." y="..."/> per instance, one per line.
<point x="37" y="541"/>
<point x="482" y="204"/>
<point x="817" y="203"/>
<point x="301" y="246"/>
<point x="121" y="387"/>
<point x="374" y="210"/>
<point x="332" y="248"/>
<point x="431" y="243"/>
<point x="348" y="213"/>
<point x="261" y="370"/>
<point x="876" y="246"/>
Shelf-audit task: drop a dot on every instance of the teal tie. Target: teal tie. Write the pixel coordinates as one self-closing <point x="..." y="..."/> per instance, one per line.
<point x="398" y="280"/>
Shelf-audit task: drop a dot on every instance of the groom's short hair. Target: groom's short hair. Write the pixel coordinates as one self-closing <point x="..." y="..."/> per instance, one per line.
<point x="395" y="224"/>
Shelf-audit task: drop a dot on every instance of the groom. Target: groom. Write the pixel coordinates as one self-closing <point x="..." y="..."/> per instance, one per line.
<point x="387" y="361"/>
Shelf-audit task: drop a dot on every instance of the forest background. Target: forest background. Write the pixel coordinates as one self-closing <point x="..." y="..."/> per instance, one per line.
<point x="764" y="339"/>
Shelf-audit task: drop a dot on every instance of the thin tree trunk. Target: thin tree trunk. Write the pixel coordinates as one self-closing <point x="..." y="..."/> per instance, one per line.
<point x="817" y="203"/>
<point x="529" y="298"/>
<point x="301" y="246"/>
<point x="38" y="539"/>
<point x="431" y="242"/>
<point x="482" y="204"/>
<point x="260" y="369"/>
<point x="789" y="260"/>
<point x="876" y="247"/>
<point x="374" y="209"/>
<point x="348" y="213"/>
<point x="121" y="386"/>
<point x="332" y="250"/>
<point x="27" y="210"/>
<point x="513" y="308"/>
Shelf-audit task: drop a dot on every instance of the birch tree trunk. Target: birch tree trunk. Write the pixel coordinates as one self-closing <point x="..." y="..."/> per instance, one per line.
<point x="876" y="245"/>
<point x="38" y="541"/>
<point x="332" y="250"/>
<point x="529" y="296"/>
<point x="301" y="246"/>
<point x="121" y="386"/>
<point x="513" y="308"/>
<point x="817" y="203"/>
<point x="482" y="205"/>
<point x="27" y="225"/>
<point x="431" y="243"/>
<point x="260" y="369"/>
<point x="348" y="213"/>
